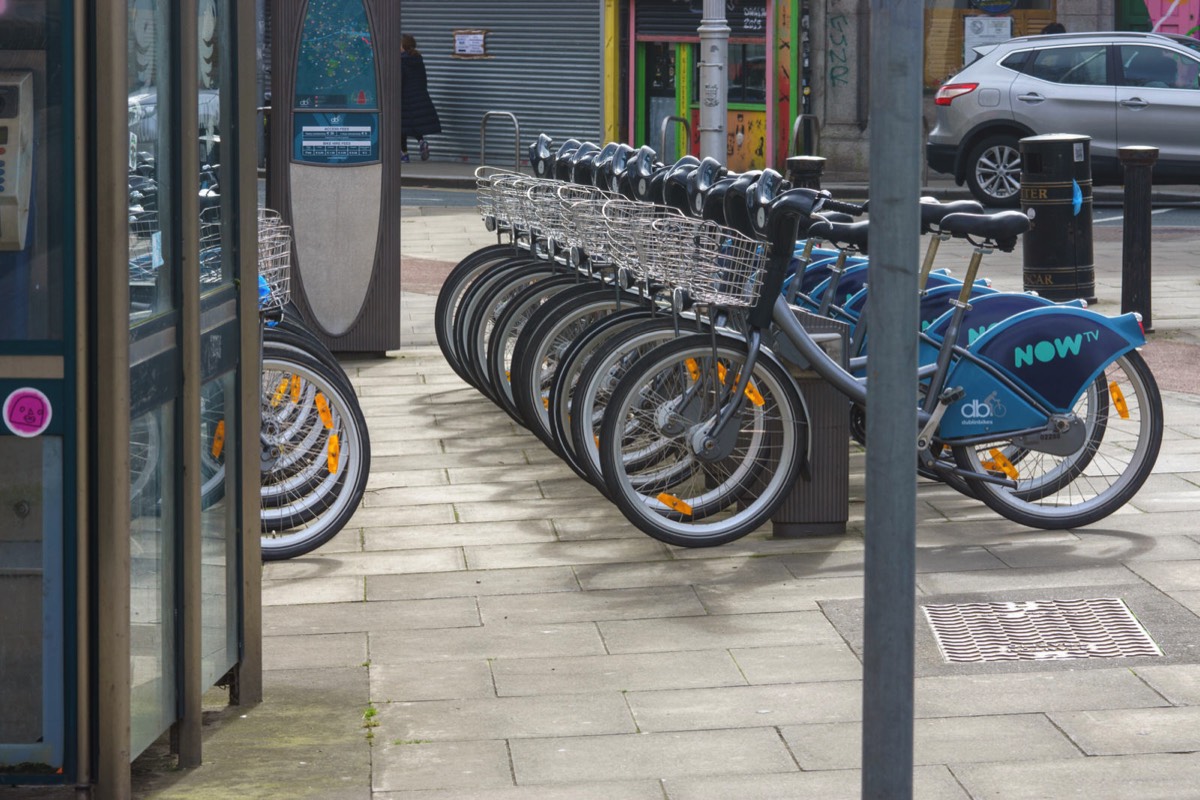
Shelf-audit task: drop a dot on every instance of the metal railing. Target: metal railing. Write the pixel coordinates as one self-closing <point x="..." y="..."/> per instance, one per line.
<point x="516" y="137"/>
<point x="810" y="126"/>
<point x="662" y="136"/>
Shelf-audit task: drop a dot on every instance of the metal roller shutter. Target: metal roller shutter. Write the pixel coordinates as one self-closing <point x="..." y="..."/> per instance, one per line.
<point x="545" y="66"/>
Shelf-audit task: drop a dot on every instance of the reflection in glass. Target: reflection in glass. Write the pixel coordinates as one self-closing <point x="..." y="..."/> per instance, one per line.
<point x="33" y="202"/>
<point x="149" y="147"/>
<point x="30" y="516"/>
<point x="152" y="575"/>
<point x="218" y="528"/>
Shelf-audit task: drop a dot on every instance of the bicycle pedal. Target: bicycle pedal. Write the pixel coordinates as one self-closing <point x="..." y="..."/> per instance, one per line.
<point x="952" y="395"/>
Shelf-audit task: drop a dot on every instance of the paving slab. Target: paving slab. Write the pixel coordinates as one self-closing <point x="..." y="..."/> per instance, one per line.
<point x="1026" y="693"/>
<point x="535" y="716"/>
<point x="604" y="604"/>
<point x="471" y="583"/>
<point x="492" y="641"/>
<point x="596" y="790"/>
<point x="451" y="612"/>
<point x="954" y="740"/>
<point x="650" y="755"/>
<point x="404" y="765"/>
<point x="929" y="783"/>
<point x="1152" y="777"/>
<point x="707" y="632"/>
<point x="1126" y="731"/>
<point x="808" y="663"/>
<point x="620" y="673"/>
<point x="417" y="537"/>
<point x="747" y="706"/>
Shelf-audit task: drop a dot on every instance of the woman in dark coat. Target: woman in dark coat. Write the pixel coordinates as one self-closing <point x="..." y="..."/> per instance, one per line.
<point x="418" y="117"/>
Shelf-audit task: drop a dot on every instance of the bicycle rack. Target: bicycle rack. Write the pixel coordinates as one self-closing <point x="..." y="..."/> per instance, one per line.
<point x="516" y="139"/>
<point x="662" y="136"/>
<point x="815" y="127"/>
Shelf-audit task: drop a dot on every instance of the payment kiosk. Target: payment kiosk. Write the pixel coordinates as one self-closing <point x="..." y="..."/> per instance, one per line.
<point x="334" y="169"/>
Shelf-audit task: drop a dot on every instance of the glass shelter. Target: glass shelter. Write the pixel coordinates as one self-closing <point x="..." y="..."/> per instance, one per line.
<point x="129" y="563"/>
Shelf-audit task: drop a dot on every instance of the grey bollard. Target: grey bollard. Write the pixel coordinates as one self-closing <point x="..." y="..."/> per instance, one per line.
<point x="1135" y="244"/>
<point x="820" y="505"/>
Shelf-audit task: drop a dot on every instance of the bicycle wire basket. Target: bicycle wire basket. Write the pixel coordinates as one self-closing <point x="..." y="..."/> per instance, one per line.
<point x="274" y="260"/>
<point x="716" y="265"/>
<point x="629" y="225"/>
<point x="488" y="182"/>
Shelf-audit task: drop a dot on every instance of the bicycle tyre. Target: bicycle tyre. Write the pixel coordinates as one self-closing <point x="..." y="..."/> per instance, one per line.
<point x="1058" y="492"/>
<point x="288" y="532"/>
<point x="538" y="351"/>
<point x="675" y="391"/>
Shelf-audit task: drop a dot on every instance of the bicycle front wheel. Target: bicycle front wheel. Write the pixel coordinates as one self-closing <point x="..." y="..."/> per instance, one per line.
<point x="1122" y="415"/>
<point x="684" y="486"/>
<point x="316" y="455"/>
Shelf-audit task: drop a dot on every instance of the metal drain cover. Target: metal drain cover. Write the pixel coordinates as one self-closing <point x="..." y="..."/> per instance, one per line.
<point x="1038" y="630"/>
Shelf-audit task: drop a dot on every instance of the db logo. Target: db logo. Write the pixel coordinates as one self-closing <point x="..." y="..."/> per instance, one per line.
<point x="976" y="409"/>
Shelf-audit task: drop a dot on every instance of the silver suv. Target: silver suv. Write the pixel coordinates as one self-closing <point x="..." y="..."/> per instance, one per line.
<point x="1118" y="88"/>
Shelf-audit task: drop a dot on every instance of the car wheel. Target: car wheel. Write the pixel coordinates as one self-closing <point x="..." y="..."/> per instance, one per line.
<point x="994" y="171"/>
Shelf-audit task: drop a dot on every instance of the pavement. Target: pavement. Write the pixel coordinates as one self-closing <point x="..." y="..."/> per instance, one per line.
<point x="488" y="627"/>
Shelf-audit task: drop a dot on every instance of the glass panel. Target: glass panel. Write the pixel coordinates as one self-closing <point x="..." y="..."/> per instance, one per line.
<point x="31" y="508"/>
<point x="336" y="64"/>
<point x="218" y="529"/>
<point x="152" y="575"/>
<point x="149" y="153"/>
<point x="1156" y="68"/>
<point x="153" y="461"/>
<point x="216" y="262"/>
<point x="34" y="222"/>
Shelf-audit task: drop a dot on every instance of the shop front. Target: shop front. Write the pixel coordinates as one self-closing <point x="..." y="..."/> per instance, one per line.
<point x="767" y="78"/>
<point x="129" y="561"/>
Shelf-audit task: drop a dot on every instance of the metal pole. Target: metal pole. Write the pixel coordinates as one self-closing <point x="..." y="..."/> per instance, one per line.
<point x="1135" y="244"/>
<point x="896" y="58"/>
<point x="714" y="81"/>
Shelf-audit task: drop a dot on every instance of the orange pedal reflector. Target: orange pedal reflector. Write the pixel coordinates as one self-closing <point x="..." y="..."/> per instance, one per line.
<point x="674" y="503"/>
<point x="333" y="452"/>
<point x="1118" y="398"/>
<point x="280" y="391"/>
<point x="998" y="462"/>
<point x="218" y="443"/>
<point x="693" y="368"/>
<point x="323" y="411"/>
<point x="296" y="388"/>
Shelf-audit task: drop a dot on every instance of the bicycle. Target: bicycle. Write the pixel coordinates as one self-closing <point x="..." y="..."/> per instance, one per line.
<point x="725" y="410"/>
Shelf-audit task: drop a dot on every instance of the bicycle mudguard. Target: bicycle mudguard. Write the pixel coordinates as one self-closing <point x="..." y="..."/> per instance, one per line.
<point x="1053" y="352"/>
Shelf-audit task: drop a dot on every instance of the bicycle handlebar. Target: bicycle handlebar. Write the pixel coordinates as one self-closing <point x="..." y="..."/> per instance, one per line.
<point x="844" y="207"/>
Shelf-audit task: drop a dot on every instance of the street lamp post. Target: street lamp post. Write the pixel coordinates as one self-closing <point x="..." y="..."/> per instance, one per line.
<point x="714" y="82"/>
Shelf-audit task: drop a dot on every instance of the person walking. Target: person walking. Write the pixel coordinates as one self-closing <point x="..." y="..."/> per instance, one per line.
<point x="418" y="117"/>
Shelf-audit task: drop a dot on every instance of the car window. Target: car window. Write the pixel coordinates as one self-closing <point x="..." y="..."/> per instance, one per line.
<point x="1086" y="65"/>
<point x="1015" y="61"/>
<point x="1158" y="68"/>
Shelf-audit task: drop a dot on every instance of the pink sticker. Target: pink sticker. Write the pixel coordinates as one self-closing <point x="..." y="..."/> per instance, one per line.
<point x="27" y="412"/>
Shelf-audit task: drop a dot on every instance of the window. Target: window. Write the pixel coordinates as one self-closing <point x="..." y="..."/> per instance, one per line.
<point x="1156" y="68"/>
<point x="747" y="69"/>
<point x="1085" y="65"/>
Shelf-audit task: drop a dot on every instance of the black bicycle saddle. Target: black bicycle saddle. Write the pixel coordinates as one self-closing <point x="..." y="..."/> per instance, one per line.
<point x="736" y="216"/>
<point x="541" y="159"/>
<point x="701" y="180"/>
<point x="617" y="167"/>
<point x="581" y="163"/>
<point x="675" y="183"/>
<point x="562" y="159"/>
<point x="601" y="163"/>
<point x="639" y="173"/>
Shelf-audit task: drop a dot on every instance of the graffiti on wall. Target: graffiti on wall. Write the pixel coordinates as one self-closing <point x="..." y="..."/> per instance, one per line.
<point x="838" y="51"/>
<point x="1174" y="16"/>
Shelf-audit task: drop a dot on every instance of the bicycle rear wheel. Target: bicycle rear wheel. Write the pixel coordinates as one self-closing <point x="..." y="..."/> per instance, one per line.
<point x="1122" y="415"/>
<point x="695" y="492"/>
